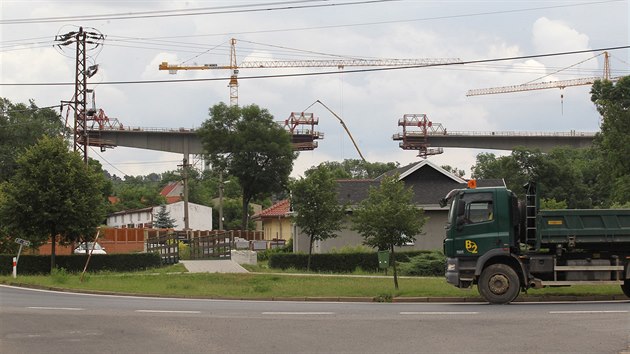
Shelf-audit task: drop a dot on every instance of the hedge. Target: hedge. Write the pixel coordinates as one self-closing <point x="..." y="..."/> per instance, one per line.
<point x="40" y="264"/>
<point x="338" y="262"/>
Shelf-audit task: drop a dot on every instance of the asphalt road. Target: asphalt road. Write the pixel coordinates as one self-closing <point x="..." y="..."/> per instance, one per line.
<point x="35" y="321"/>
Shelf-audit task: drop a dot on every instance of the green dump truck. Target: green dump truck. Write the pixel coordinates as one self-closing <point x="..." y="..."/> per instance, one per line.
<point x="505" y="246"/>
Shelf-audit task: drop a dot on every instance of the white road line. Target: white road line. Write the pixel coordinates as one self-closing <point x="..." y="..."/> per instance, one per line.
<point x="585" y="312"/>
<point x="166" y="311"/>
<point x="439" y="313"/>
<point x="298" y="313"/>
<point x="56" y="308"/>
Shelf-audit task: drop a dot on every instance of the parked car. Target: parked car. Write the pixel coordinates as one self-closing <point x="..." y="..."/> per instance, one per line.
<point x="82" y="249"/>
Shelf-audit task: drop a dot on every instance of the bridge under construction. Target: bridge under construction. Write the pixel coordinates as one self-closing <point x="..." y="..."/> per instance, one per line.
<point x="186" y="141"/>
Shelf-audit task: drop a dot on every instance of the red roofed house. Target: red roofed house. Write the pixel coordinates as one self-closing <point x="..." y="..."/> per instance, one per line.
<point x="276" y="221"/>
<point x="173" y="192"/>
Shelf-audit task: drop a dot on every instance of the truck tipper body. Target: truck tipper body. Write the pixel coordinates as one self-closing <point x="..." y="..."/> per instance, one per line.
<point x="505" y="246"/>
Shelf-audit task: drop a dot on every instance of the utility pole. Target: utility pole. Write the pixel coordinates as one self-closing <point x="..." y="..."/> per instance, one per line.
<point x="82" y="73"/>
<point x="184" y="167"/>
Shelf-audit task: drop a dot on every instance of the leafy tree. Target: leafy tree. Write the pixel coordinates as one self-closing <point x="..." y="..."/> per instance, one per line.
<point x="388" y="218"/>
<point x="232" y="215"/>
<point x="249" y="145"/>
<point x="52" y="193"/>
<point x="21" y="126"/>
<point x="566" y="174"/>
<point x="454" y="170"/>
<point x="613" y="103"/>
<point x="355" y="169"/>
<point x="318" y="213"/>
<point x="163" y="219"/>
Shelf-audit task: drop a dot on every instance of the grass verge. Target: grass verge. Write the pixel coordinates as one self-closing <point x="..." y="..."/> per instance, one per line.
<point x="172" y="282"/>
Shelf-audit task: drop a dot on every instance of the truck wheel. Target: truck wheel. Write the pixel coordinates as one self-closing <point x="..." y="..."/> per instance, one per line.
<point x="499" y="284"/>
<point x="626" y="287"/>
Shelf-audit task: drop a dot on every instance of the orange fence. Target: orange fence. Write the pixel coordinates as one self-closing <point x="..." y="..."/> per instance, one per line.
<point x="128" y="240"/>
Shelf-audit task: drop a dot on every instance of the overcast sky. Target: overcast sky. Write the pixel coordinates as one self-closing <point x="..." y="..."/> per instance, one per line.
<point x="370" y="103"/>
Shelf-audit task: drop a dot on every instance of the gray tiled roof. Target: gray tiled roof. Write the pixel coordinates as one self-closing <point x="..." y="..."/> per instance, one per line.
<point x="429" y="183"/>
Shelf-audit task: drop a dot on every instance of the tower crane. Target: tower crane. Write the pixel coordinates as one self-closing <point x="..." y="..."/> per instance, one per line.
<point x="272" y="64"/>
<point x="561" y="84"/>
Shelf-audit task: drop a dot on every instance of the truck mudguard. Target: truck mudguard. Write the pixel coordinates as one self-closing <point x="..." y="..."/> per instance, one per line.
<point x="500" y="252"/>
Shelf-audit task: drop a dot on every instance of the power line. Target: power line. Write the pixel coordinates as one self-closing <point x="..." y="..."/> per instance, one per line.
<point x="479" y="61"/>
<point x="202" y="12"/>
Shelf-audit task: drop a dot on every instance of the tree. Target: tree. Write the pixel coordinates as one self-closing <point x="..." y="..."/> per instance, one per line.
<point x="565" y="174"/>
<point x="613" y="103"/>
<point x="21" y="126"/>
<point x="355" y="169"/>
<point x="52" y="193"/>
<point x="388" y="218"/>
<point x="318" y="213"/>
<point x="163" y="219"/>
<point x="454" y="170"/>
<point x="249" y="145"/>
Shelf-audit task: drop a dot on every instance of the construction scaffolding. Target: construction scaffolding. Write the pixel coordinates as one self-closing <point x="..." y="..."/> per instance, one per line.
<point x="301" y="126"/>
<point x="416" y="130"/>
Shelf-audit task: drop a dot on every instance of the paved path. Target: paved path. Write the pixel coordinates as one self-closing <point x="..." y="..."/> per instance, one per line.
<point x="213" y="266"/>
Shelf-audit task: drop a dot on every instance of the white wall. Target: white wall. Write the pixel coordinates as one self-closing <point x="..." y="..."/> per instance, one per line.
<point x="200" y="215"/>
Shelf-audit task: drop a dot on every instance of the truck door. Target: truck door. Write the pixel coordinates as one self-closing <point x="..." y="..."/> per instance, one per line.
<point x="476" y="229"/>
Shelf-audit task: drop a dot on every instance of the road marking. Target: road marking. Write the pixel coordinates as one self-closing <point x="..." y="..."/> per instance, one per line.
<point x="56" y="308"/>
<point x="585" y="312"/>
<point x="166" y="311"/>
<point x="298" y="313"/>
<point x="439" y="313"/>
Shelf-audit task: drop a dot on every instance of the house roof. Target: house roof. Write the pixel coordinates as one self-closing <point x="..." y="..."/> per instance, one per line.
<point x="411" y="168"/>
<point x="172" y="192"/>
<point x="280" y="209"/>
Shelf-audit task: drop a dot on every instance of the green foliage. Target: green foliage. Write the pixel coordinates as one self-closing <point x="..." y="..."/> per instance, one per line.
<point x="354" y="169"/>
<point x="21" y="126"/>
<point x="552" y="204"/>
<point x="317" y="210"/>
<point x="163" y="219"/>
<point x="40" y="264"/>
<point x="429" y="264"/>
<point x="352" y="249"/>
<point x="52" y="193"/>
<point x="263" y="256"/>
<point x="565" y="174"/>
<point x="232" y="215"/>
<point x="249" y="145"/>
<point x="613" y="103"/>
<point x="388" y="218"/>
<point x="59" y="275"/>
<point x="336" y="262"/>
<point x="184" y="250"/>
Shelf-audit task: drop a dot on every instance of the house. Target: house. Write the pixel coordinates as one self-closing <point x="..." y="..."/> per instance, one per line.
<point x="276" y="221"/>
<point x="173" y="192"/>
<point x="200" y="217"/>
<point x="429" y="182"/>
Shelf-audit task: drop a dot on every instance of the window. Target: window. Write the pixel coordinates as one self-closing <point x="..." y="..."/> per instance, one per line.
<point x="478" y="208"/>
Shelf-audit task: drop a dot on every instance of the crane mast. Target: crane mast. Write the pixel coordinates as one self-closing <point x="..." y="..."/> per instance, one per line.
<point x="274" y="64"/>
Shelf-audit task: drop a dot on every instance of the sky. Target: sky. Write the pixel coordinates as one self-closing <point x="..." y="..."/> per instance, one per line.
<point x="138" y="35"/>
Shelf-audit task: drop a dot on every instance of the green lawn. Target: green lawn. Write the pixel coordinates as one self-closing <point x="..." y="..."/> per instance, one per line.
<point x="174" y="281"/>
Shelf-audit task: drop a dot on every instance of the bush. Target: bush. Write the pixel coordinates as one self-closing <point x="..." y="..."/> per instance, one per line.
<point x="426" y="264"/>
<point x="336" y="262"/>
<point x="40" y="264"/>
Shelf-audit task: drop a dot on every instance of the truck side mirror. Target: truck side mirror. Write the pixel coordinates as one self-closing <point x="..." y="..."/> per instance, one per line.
<point x="460" y="223"/>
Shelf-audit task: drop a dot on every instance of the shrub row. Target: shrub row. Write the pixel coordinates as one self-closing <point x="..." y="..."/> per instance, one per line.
<point x="347" y="262"/>
<point x="40" y="264"/>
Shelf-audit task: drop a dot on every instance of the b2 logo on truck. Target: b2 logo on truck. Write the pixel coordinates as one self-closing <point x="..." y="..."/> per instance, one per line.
<point x="471" y="246"/>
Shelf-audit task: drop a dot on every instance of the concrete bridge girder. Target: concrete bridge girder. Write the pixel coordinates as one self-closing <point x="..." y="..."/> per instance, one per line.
<point x="188" y="142"/>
